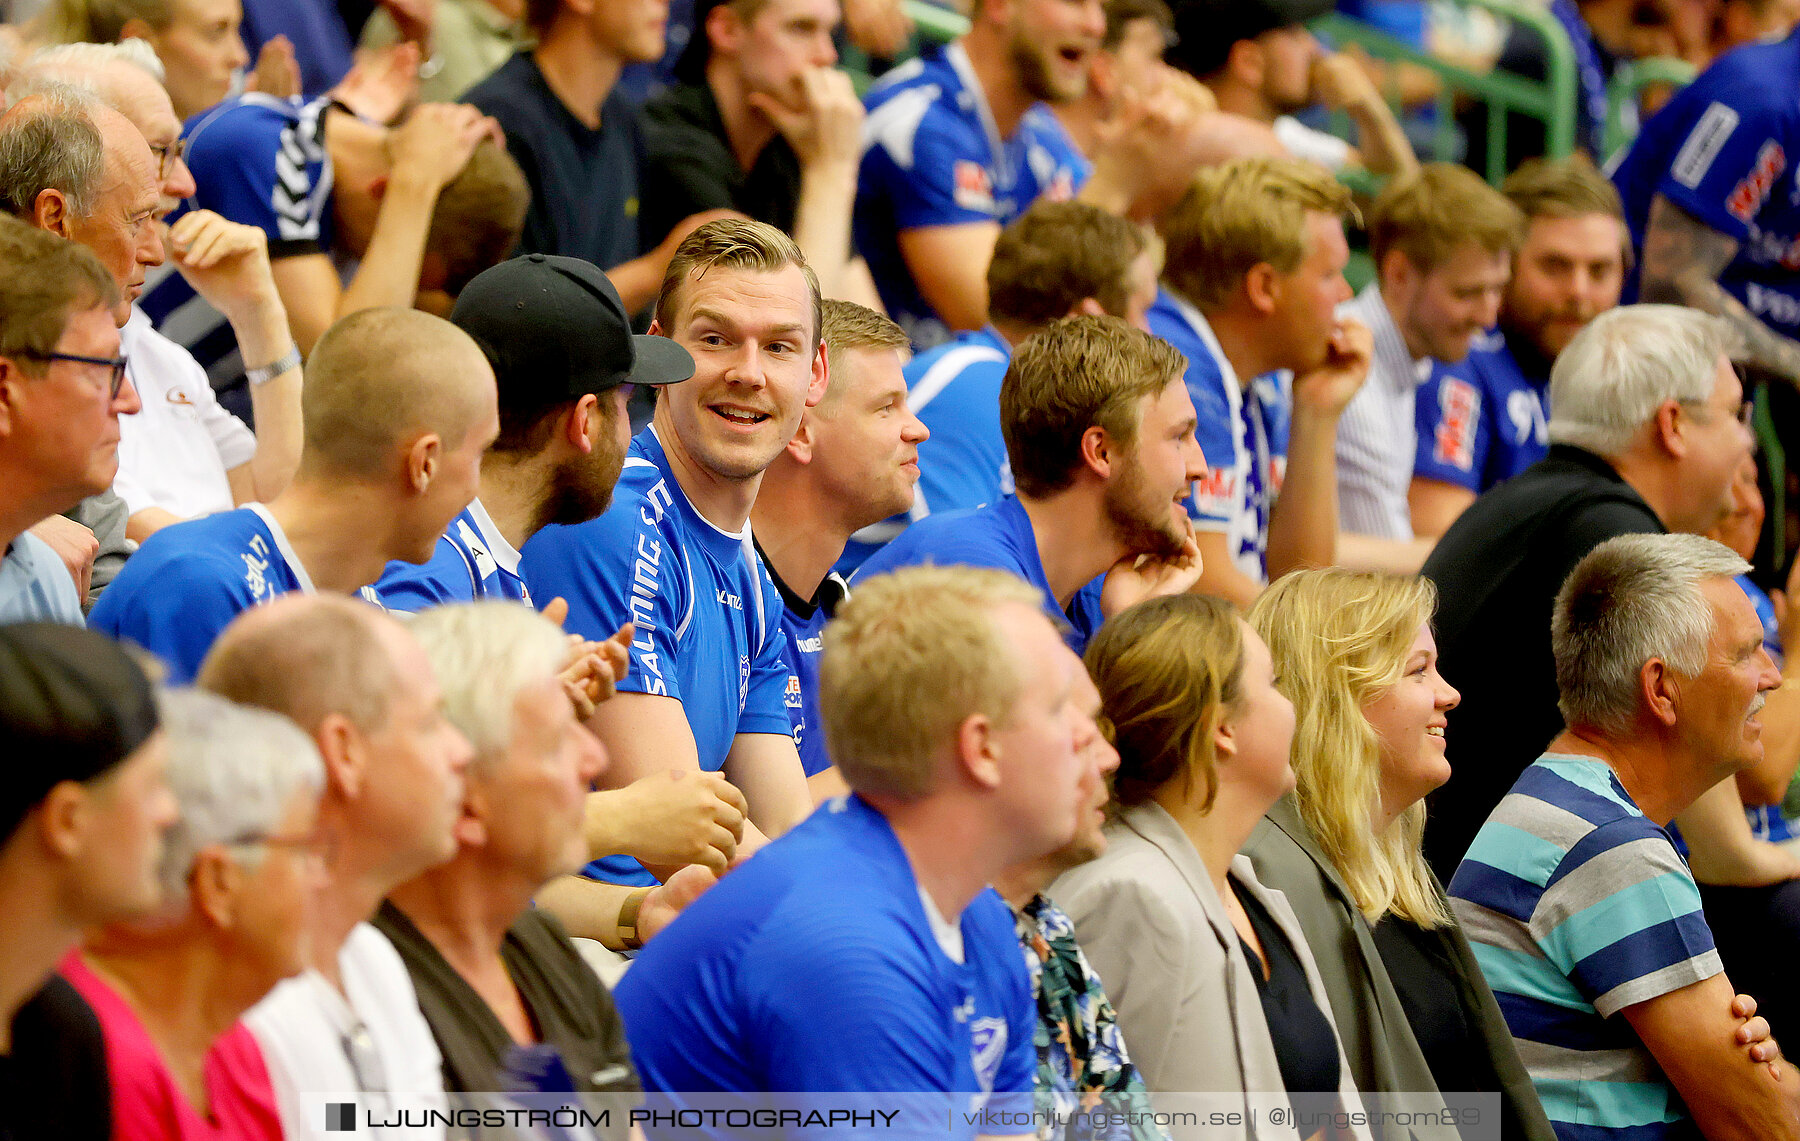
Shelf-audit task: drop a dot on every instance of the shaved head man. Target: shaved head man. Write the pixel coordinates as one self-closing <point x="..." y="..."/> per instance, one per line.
<point x="399" y="408"/>
<point x="361" y="686"/>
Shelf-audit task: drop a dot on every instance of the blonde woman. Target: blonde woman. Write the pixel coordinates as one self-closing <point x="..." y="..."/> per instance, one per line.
<point x="1215" y="989"/>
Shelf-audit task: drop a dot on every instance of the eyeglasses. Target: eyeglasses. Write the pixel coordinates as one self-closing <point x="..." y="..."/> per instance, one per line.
<point x="1744" y="413"/>
<point x="167" y="157"/>
<point x="116" y="364"/>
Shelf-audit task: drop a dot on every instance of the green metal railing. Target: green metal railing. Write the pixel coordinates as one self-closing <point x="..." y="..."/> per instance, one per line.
<point x="1550" y="100"/>
<point x="1628" y="82"/>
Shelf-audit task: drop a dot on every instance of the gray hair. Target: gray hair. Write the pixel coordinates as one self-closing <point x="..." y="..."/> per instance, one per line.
<point x="1617" y="372"/>
<point x="138" y="53"/>
<point x="1633" y="598"/>
<point x="484" y="653"/>
<point x="234" y="770"/>
<point x="50" y="142"/>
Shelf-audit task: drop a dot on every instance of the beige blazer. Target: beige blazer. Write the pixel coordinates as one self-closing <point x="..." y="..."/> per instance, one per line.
<point x="1148" y="919"/>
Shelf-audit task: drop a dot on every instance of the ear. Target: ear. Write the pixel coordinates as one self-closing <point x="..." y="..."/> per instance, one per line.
<point x="725" y="30"/>
<point x="1086" y="307"/>
<point x="800" y="448"/>
<point x="62" y="819"/>
<point x="422" y="457"/>
<point x="579" y="424"/>
<point x="214" y="884"/>
<point x="1262" y="287"/>
<point x="11" y="391"/>
<point x="1225" y="742"/>
<point x="378" y="187"/>
<point x="1246" y="63"/>
<point x="345" y="754"/>
<point x="470" y="829"/>
<point x="1398" y="274"/>
<point x="656" y="329"/>
<point x="821" y="376"/>
<point x="1661" y="691"/>
<point x="1666" y="430"/>
<point x="978" y="752"/>
<point x="50" y="211"/>
<point x="1097" y="453"/>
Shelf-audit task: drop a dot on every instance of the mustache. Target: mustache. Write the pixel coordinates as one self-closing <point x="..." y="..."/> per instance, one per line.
<point x="1756" y="705"/>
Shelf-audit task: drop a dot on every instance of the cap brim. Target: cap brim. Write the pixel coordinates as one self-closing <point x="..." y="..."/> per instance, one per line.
<point x="660" y="361"/>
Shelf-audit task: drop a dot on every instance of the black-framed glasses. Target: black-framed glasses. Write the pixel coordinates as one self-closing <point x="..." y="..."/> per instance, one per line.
<point x="167" y="156"/>
<point x="1744" y="414"/>
<point x="116" y="364"/>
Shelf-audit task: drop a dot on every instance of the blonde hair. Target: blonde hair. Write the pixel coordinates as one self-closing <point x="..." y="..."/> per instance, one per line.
<point x="97" y="21"/>
<point x="1168" y="670"/>
<point x="733" y="243"/>
<point x="1429" y="213"/>
<point x="846" y="327"/>
<point x="1338" y="640"/>
<point x="1068" y="377"/>
<point x="1241" y="214"/>
<point x="908" y="658"/>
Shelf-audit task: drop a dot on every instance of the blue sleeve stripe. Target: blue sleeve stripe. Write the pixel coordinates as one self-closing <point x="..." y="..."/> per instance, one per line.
<point x="1641" y="953"/>
<point x="1584" y="914"/>
<point x="1554" y="1024"/>
<point x="1544" y="783"/>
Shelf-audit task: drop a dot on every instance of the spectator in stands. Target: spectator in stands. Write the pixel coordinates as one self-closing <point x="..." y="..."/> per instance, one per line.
<point x="183" y="455"/>
<point x="196" y="40"/>
<point x="1080" y="1048"/>
<point x="1484" y="421"/>
<point x="1736" y="23"/>
<point x="85" y="806"/>
<point x="1100" y="433"/>
<point x="1055" y="260"/>
<point x="466" y="42"/>
<point x="950" y="705"/>
<point x="1647" y="432"/>
<point x="1254" y="273"/>
<point x="1704" y="194"/>
<point x="425" y="205"/>
<point x="1261" y="61"/>
<point x="1128" y="64"/>
<point x="579" y="140"/>
<point x="707" y="679"/>
<point x="1661" y="673"/>
<point x="238" y="872"/>
<point x="1216" y="988"/>
<point x="1443" y="243"/>
<point x="564" y="360"/>
<point x="399" y="409"/>
<point x="764" y="125"/>
<point x="59" y="359"/>
<point x="958" y="146"/>
<point x="1354" y="653"/>
<point x="852" y="462"/>
<point x="356" y="682"/>
<point x="492" y="972"/>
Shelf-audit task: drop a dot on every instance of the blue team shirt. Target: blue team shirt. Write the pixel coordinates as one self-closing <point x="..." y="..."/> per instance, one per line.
<point x="814" y="967"/>
<point x="260" y="161"/>
<point x="998" y="535"/>
<point x="1243" y="434"/>
<point x="472" y="560"/>
<point x="803" y="622"/>
<point x="954" y="390"/>
<point x="708" y="617"/>
<point x="189" y="580"/>
<point x="1719" y="150"/>
<point x="1481" y="421"/>
<point x="932" y="156"/>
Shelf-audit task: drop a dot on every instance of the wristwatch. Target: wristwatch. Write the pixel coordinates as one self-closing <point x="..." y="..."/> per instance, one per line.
<point x="286" y="362"/>
<point x="627" y="934"/>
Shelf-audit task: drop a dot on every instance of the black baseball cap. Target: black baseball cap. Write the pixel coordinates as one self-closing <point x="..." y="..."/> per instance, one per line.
<point x="1205" y="30"/>
<point x="555" y="330"/>
<point x="73" y="704"/>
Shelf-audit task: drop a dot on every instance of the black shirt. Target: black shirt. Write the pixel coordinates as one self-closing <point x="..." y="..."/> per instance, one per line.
<point x="1497" y="571"/>
<point x="1430" y="989"/>
<point x="689" y="166"/>
<point x="1306" y="1047"/>
<point x="54" y="1083"/>
<point x="569" y="1008"/>
<point x="584" y="183"/>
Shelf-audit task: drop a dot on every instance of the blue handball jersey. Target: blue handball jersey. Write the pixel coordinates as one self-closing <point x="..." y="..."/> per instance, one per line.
<point x="1481" y="421"/>
<point x="189" y="580"/>
<point x="1000" y="536"/>
<point x="1720" y="151"/>
<point x="473" y="560"/>
<point x="932" y="156"/>
<point x="954" y="390"/>
<point x="814" y="967"/>
<point x="708" y="617"/>
<point x="803" y="621"/>
<point x="260" y="161"/>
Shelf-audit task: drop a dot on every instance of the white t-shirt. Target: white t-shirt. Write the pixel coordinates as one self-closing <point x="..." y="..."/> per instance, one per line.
<point x="315" y="1043"/>
<point x="1304" y="142"/>
<point x="174" y="454"/>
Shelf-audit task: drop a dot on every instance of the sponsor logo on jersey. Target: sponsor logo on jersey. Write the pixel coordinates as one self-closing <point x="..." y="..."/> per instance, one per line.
<point x="793" y="699"/>
<point x="645" y="585"/>
<point x="1750" y="194"/>
<point x="973" y="189"/>
<point x="1454" y="441"/>
<point x="1704" y="142"/>
<point x="987" y="1048"/>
